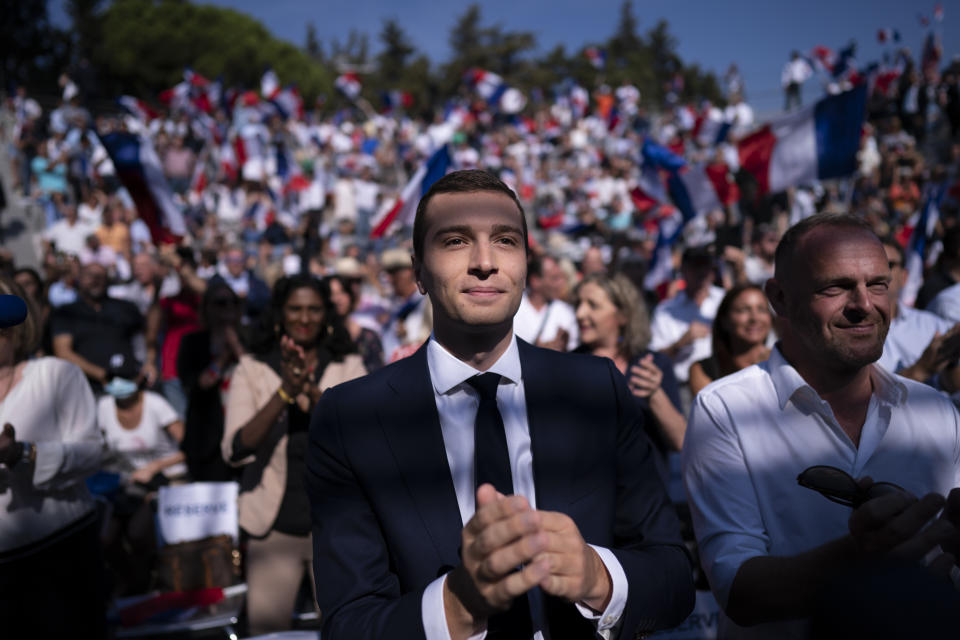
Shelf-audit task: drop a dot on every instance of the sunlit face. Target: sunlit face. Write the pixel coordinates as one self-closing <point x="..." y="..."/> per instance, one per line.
<point x="340" y="298"/>
<point x="838" y="305"/>
<point x="474" y="262"/>
<point x="599" y="320"/>
<point x="748" y="320"/>
<point x="303" y="316"/>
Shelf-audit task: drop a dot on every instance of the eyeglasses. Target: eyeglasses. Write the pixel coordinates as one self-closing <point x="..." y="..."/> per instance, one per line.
<point x="836" y="485"/>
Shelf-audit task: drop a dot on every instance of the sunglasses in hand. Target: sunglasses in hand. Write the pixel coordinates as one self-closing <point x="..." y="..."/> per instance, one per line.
<point x="839" y="486"/>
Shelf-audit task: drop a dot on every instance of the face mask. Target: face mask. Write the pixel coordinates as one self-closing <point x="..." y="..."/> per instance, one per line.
<point x="120" y="388"/>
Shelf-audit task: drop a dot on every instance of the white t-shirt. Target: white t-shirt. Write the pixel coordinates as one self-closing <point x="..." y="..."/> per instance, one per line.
<point x="532" y="325"/>
<point x="136" y="448"/>
<point x="68" y="238"/>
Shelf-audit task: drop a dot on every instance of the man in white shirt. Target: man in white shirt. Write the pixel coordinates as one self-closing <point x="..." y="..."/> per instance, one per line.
<point x="681" y="325"/>
<point x="920" y="344"/>
<point x="68" y="235"/>
<point x="409" y="468"/>
<point x="541" y="319"/>
<point x="769" y="546"/>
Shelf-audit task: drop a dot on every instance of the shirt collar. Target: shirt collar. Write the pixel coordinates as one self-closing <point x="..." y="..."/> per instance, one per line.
<point x="448" y="372"/>
<point x="788" y="382"/>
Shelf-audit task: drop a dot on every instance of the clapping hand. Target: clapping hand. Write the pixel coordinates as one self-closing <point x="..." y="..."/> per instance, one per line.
<point x="9" y="449"/>
<point x="297" y="377"/>
<point x="896" y="525"/>
<point x="644" y="378"/>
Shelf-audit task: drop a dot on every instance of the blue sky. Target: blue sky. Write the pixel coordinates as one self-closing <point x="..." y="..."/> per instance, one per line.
<point x="756" y="34"/>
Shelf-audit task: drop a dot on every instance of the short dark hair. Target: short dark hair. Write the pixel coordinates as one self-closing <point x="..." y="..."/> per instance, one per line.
<point x="890" y="241"/>
<point x="787" y="247"/>
<point x="465" y="181"/>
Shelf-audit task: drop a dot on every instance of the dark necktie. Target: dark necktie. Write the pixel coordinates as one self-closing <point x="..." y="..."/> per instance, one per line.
<point x="491" y="463"/>
<point x="491" y="458"/>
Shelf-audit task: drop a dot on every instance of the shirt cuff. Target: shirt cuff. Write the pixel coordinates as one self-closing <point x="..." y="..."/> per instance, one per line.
<point x="610" y="616"/>
<point x="434" y="619"/>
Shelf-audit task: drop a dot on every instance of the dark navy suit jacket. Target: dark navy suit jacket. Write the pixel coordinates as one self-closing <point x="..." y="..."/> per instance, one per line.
<point x="385" y="515"/>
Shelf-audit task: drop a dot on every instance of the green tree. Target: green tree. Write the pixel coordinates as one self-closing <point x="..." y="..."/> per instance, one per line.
<point x="397" y="49"/>
<point x="32" y="50"/>
<point x="145" y="45"/>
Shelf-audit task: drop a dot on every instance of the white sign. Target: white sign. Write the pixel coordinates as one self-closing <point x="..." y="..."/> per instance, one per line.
<point x="197" y="510"/>
<point x="700" y="625"/>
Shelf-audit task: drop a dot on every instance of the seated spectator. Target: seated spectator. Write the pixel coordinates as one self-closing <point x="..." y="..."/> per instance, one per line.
<point x="51" y="572"/>
<point x="343" y="295"/>
<point x="738" y="336"/>
<point x="613" y="323"/>
<point x="542" y="318"/>
<point x="920" y="344"/>
<point x="68" y="235"/>
<point x="253" y="292"/>
<point x="681" y="325"/>
<point x="96" y="332"/>
<point x="113" y="231"/>
<point x="768" y="545"/>
<point x="142" y="433"/>
<point x="205" y="362"/>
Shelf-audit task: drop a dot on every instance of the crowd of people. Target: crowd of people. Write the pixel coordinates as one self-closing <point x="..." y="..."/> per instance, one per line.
<point x="203" y="359"/>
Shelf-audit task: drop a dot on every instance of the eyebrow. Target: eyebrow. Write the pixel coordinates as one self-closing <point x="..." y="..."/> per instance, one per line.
<point x="468" y="230"/>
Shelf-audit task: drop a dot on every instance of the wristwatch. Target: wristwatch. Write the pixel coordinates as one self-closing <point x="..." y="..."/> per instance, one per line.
<point x="28" y="452"/>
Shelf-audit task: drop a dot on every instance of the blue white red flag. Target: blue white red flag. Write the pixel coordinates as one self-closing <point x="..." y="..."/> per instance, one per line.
<point x="497" y="93"/>
<point x="139" y="169"/>
<point x="812" y="143"/>
<point x="349" y="85"/>
<point x="269" y="84"/>
<point x="923" y="232"/>
<point x="596" y="56"/>
<point x="137" y="108"/>
<point x="402" y="211"/>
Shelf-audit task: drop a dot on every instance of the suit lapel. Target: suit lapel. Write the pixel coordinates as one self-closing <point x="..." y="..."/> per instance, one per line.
<point x="552" y="433"/>
<point x="412" y="428"/>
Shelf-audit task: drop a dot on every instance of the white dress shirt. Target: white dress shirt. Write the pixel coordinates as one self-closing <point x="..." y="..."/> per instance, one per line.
<point x="457" y="404"/>
<point x="672" y="318"/>
<point x="532" y="324"/>
<point x="911" y="331"/>
<point x="946" y="304"/>
<point x="752" y="433"/>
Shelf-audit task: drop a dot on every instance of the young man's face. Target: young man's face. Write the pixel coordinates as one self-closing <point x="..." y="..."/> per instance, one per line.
<point x="474" y="261"/>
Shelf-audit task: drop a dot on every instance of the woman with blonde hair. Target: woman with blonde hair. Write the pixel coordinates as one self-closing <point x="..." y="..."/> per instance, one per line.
<point x="614" y="323"/>
<point x="50" y="557"/>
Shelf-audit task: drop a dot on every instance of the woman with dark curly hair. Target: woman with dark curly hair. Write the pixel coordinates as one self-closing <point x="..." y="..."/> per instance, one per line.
<point x="300" y="348"/>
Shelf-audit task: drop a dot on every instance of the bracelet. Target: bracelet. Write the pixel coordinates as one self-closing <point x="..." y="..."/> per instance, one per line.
<point x="286" y="397"/>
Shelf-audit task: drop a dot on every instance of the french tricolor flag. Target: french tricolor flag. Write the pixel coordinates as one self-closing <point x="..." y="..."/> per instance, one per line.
<point x="137" y="108"/>
<point x="403" y="210"/>
<point x="814" y="143"/>
<point x="596" y="56"/>
<point x="349" y="85"/>
<point x="139" y="169"/>
<point x="923" y="233"/>
<point x="498" y="94"/>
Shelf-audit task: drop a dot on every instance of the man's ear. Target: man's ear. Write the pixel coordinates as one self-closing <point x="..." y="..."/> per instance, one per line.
<point x="416" y="274"/>
<point x="777" y="296"/>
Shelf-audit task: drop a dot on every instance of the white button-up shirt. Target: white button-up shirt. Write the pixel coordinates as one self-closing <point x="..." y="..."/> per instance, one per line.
<point x="457" y="404"/>
<point x="911" y="331"/>
<point x="750" y="435"/>
<point x="673" y="317"/>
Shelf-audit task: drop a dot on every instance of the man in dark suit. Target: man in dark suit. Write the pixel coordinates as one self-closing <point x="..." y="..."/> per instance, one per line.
<point x="409" y="469"/>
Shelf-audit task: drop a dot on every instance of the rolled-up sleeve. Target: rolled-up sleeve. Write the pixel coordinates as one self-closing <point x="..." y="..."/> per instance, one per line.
<point x="723" y="502"/>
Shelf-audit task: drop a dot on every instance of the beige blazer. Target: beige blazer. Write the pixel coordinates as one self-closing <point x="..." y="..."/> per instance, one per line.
<point x="262" y="485"/>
